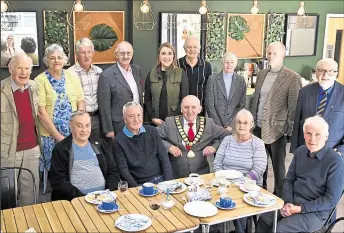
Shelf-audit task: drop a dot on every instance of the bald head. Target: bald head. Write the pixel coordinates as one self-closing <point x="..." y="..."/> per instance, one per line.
<point x="124" y="53"/>
<point x="275" y="54"/>
<point x="20" y="58"/>
<point x="123" y="45"/>
<point x="191" y="107"/>
<point x="20" y="68"/>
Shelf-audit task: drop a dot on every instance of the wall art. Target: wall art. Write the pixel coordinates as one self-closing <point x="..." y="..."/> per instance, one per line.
<point x="275" y="28"/>
<point x="215" y="45"/>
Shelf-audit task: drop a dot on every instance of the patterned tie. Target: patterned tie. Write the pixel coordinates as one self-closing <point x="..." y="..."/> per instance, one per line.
<point x="191" y="135"/>
<point x="322" y="104"/>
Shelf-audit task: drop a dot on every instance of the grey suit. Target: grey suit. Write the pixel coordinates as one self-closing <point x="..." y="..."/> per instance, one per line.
<point x="183" y="166"/>
<point x="220" y="107"/>
<point x="113" y="93"/>
<point x="278" y="117"/>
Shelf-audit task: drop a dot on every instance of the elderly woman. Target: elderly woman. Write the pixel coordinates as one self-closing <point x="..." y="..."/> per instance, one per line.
<point x="60" y="93"/>
<point x="243" y="152"/>
<point x="166" y="86"/>
<point x="225" y="93"/>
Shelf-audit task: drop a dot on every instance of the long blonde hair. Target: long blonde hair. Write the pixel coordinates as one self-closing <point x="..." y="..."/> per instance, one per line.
<point x="167" y="45"/>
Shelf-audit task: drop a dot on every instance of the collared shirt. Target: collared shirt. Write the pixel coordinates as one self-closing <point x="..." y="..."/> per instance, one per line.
<point x="15" y="86"/>
<point x="227" y="78"/>
<point x="186" y="127"/>
<point x="89" y="82"/>
<point x="129" y="77"/>
<point x="319" y="154"/>
<point x="129" y="134"/>
<point x="328" y="93"/>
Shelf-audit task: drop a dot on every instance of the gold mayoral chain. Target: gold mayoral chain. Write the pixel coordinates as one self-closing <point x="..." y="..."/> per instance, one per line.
<point x="185" y="138"/>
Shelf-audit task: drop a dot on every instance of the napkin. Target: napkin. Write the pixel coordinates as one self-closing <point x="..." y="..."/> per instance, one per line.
<point x="260" y="198"/>
<point x="200" y="195"/>
<point x="30" y="230"/>
<point x="171" y="186"/>
<point x="130" y="224"/>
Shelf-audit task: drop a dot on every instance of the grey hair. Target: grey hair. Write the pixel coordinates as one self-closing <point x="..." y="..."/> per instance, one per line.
<point x="18" y="55"/>
<point x="277" y="43"/>
<point x="130" y="105"/>
<point x="326" y="61"/>
<point x="83" y="42"/>
<point x="247" y="113"/>
<point x="78" y="113"/>
<point x="189" y="38"/>
<point x="51" y="49"/>
<point x="123" y="42"/>
<point x="316" y="121"/>
<point x="229" y="55"/>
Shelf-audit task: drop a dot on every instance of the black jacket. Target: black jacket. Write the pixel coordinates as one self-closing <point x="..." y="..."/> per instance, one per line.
<point x="62" y="162"/>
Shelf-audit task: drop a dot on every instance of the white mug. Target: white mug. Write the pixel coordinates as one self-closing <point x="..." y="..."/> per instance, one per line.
<point x="194" y="178"/>
<point x="250" y="185"/>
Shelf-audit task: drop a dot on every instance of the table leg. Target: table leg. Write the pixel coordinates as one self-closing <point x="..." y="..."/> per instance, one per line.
<point x="225" y="227"/>
<point x="275" y="222"/>
<point x="205" y="228"/>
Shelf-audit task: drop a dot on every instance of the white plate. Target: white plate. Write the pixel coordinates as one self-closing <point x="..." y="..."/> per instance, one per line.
<point x="103" y="193"/>
<point x="201" y="209"/>
<point x="229" y="174"/>
<point x="242" y="188"/>
<point x="215" y="182"/>
<point x="125" y="224"/>
<point x="250" y="202"/>
<point x="188" y="181"/>
<point x="171" y="182"/>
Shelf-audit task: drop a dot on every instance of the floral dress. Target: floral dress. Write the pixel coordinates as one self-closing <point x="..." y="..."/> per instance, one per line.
<point x="61" y="115"/>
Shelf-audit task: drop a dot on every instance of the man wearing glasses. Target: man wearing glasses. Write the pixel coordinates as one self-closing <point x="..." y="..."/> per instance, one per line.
<point x="324" y="98"/>
<point x="197" y="69"/>
<point x="119" y="84"/>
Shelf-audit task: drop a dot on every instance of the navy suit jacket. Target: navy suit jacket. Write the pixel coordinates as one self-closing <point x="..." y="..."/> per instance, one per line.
<point x="333" y="115"/>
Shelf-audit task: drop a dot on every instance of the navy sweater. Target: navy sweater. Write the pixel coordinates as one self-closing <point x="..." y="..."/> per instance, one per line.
<point x="141" y="157"/>
<point x="316" y="183"/>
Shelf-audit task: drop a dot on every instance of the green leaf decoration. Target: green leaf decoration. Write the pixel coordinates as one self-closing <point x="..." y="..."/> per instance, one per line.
<point x="275" y="28"/>
<point x="103" y="37"/>
<point x="237" y="27"/>
<point x="215" y="37"/>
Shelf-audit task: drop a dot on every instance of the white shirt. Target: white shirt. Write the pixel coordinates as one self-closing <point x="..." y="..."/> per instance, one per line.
<point x="129" y="77"/>
<point x="187" y="127"/>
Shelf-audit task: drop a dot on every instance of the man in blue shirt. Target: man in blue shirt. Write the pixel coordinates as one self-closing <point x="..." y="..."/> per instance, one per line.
<point x="313" y="185"/>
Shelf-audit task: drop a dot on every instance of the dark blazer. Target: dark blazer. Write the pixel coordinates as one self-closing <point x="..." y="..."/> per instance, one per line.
<point x="62" y="163"/>
<point x="280" y="105"/>
<point x="113" y="93"/>
<point x="220" y="107"/>
<point x="333" y="115"/>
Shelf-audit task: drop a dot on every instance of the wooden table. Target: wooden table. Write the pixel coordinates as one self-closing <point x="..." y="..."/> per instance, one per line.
<point x="174" y="220"/>
<point x="56" y="216"/>
<point x="242" y="208"/>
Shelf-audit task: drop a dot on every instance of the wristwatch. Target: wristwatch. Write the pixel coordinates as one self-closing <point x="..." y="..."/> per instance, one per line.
<point x="302" y="209"/>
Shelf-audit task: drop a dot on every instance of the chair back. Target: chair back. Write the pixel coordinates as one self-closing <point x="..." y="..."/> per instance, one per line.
<point x="8" y="193"/>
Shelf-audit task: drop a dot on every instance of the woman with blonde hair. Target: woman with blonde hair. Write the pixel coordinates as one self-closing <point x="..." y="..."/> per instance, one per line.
<point x="166" y="86"/>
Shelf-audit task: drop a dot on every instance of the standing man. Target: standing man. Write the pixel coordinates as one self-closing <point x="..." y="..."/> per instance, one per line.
<point x="273" y="109"/>
<point x="89" y="76"/>
<point x="324" y="98"/>
<point x="119" y="84"/>
<point x="20" y="138"/>
<point x="197" y="69"/>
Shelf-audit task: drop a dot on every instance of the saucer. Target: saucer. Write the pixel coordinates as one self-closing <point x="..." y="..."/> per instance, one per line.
<point x="217" y="204"/>
<point x="100" y="209"/>
<point x="155" y="192"/>
<point x="242" y="188"/>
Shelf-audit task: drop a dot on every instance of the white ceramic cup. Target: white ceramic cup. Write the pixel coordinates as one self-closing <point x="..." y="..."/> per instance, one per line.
<point x="250" y="185"/>
<point x="194" y="178"/>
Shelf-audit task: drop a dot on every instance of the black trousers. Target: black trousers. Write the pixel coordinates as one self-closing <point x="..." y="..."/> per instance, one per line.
<point x="277" y="152"/>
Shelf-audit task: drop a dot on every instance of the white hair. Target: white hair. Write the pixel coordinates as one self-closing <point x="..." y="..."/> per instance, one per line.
<point x="123" y="42"/>
<point x="191" y="38"/>
<point x="317" y="121"/>
<point x="83" y="42"/>
<point x="51" y="49"/>
<point x="16" y="57"/>
<point x="130" y="105"/>
<point x="245" y="112"/>
<point x="277" y="44"/>
<point x="229" y="56"/>
<point x="327" y="61"/>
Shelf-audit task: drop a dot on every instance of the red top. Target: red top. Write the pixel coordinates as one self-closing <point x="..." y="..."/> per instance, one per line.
<point x="27" y="138"/>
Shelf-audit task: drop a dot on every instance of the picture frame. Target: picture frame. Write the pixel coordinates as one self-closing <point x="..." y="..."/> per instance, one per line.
<point x="19" y="33"/>
<point x="215" y="45"/>
<point x="301" y="35"/>
<point x="275" y="27"/>
<point x="105" y="29"/>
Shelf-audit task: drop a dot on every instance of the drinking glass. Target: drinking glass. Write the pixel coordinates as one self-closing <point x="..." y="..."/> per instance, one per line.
<point x="207" y="184"/>
<point x="154" y="204"/>
<point x="123" y="187"/>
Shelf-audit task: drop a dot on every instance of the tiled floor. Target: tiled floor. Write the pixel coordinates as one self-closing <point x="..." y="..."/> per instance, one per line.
<point x="340" y="208"/>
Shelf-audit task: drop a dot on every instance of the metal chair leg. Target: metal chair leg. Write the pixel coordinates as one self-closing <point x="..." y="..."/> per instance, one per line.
<point x="45" y="180"/>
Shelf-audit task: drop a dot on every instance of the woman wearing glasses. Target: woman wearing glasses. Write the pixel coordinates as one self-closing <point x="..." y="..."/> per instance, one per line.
<point x="166" y="86"/>
<point x="60" y="93"/>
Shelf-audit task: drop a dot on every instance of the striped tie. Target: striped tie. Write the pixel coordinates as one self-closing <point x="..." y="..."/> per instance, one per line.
<point x="322" y="104"/>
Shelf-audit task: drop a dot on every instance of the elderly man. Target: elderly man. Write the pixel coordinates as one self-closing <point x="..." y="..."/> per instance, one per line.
<point x="119" y="84"/>
<point x="80" y="164"/>
<point x="190" y="139"/>
<point x="197" y="69"/>
<point x="20" y="138"/>
<point x="226" y="93"/>
<point x="314" y="183"/>
<point x="273" y="109"/>
<point x="139" y="151"/>
<point x="324" y="98"/>
<point x="89" y="76"/>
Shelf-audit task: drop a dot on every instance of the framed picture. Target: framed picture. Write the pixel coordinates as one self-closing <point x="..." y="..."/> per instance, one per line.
<point x="56" y="29"/>
<point x="19" y="33"/>
<point x="176" y="27"/>
<point x="301" y="34"/>
<point x="245" y="35"/>
<point x="105" y="29"/>
<point x="275" y="28"/>
<point x="215" y="40"/>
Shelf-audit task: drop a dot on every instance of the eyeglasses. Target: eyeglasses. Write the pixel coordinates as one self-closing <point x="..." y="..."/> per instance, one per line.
<point x="56" y="58"/>
<point x="329" y="72"/>
<point x="122" y="54"/>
